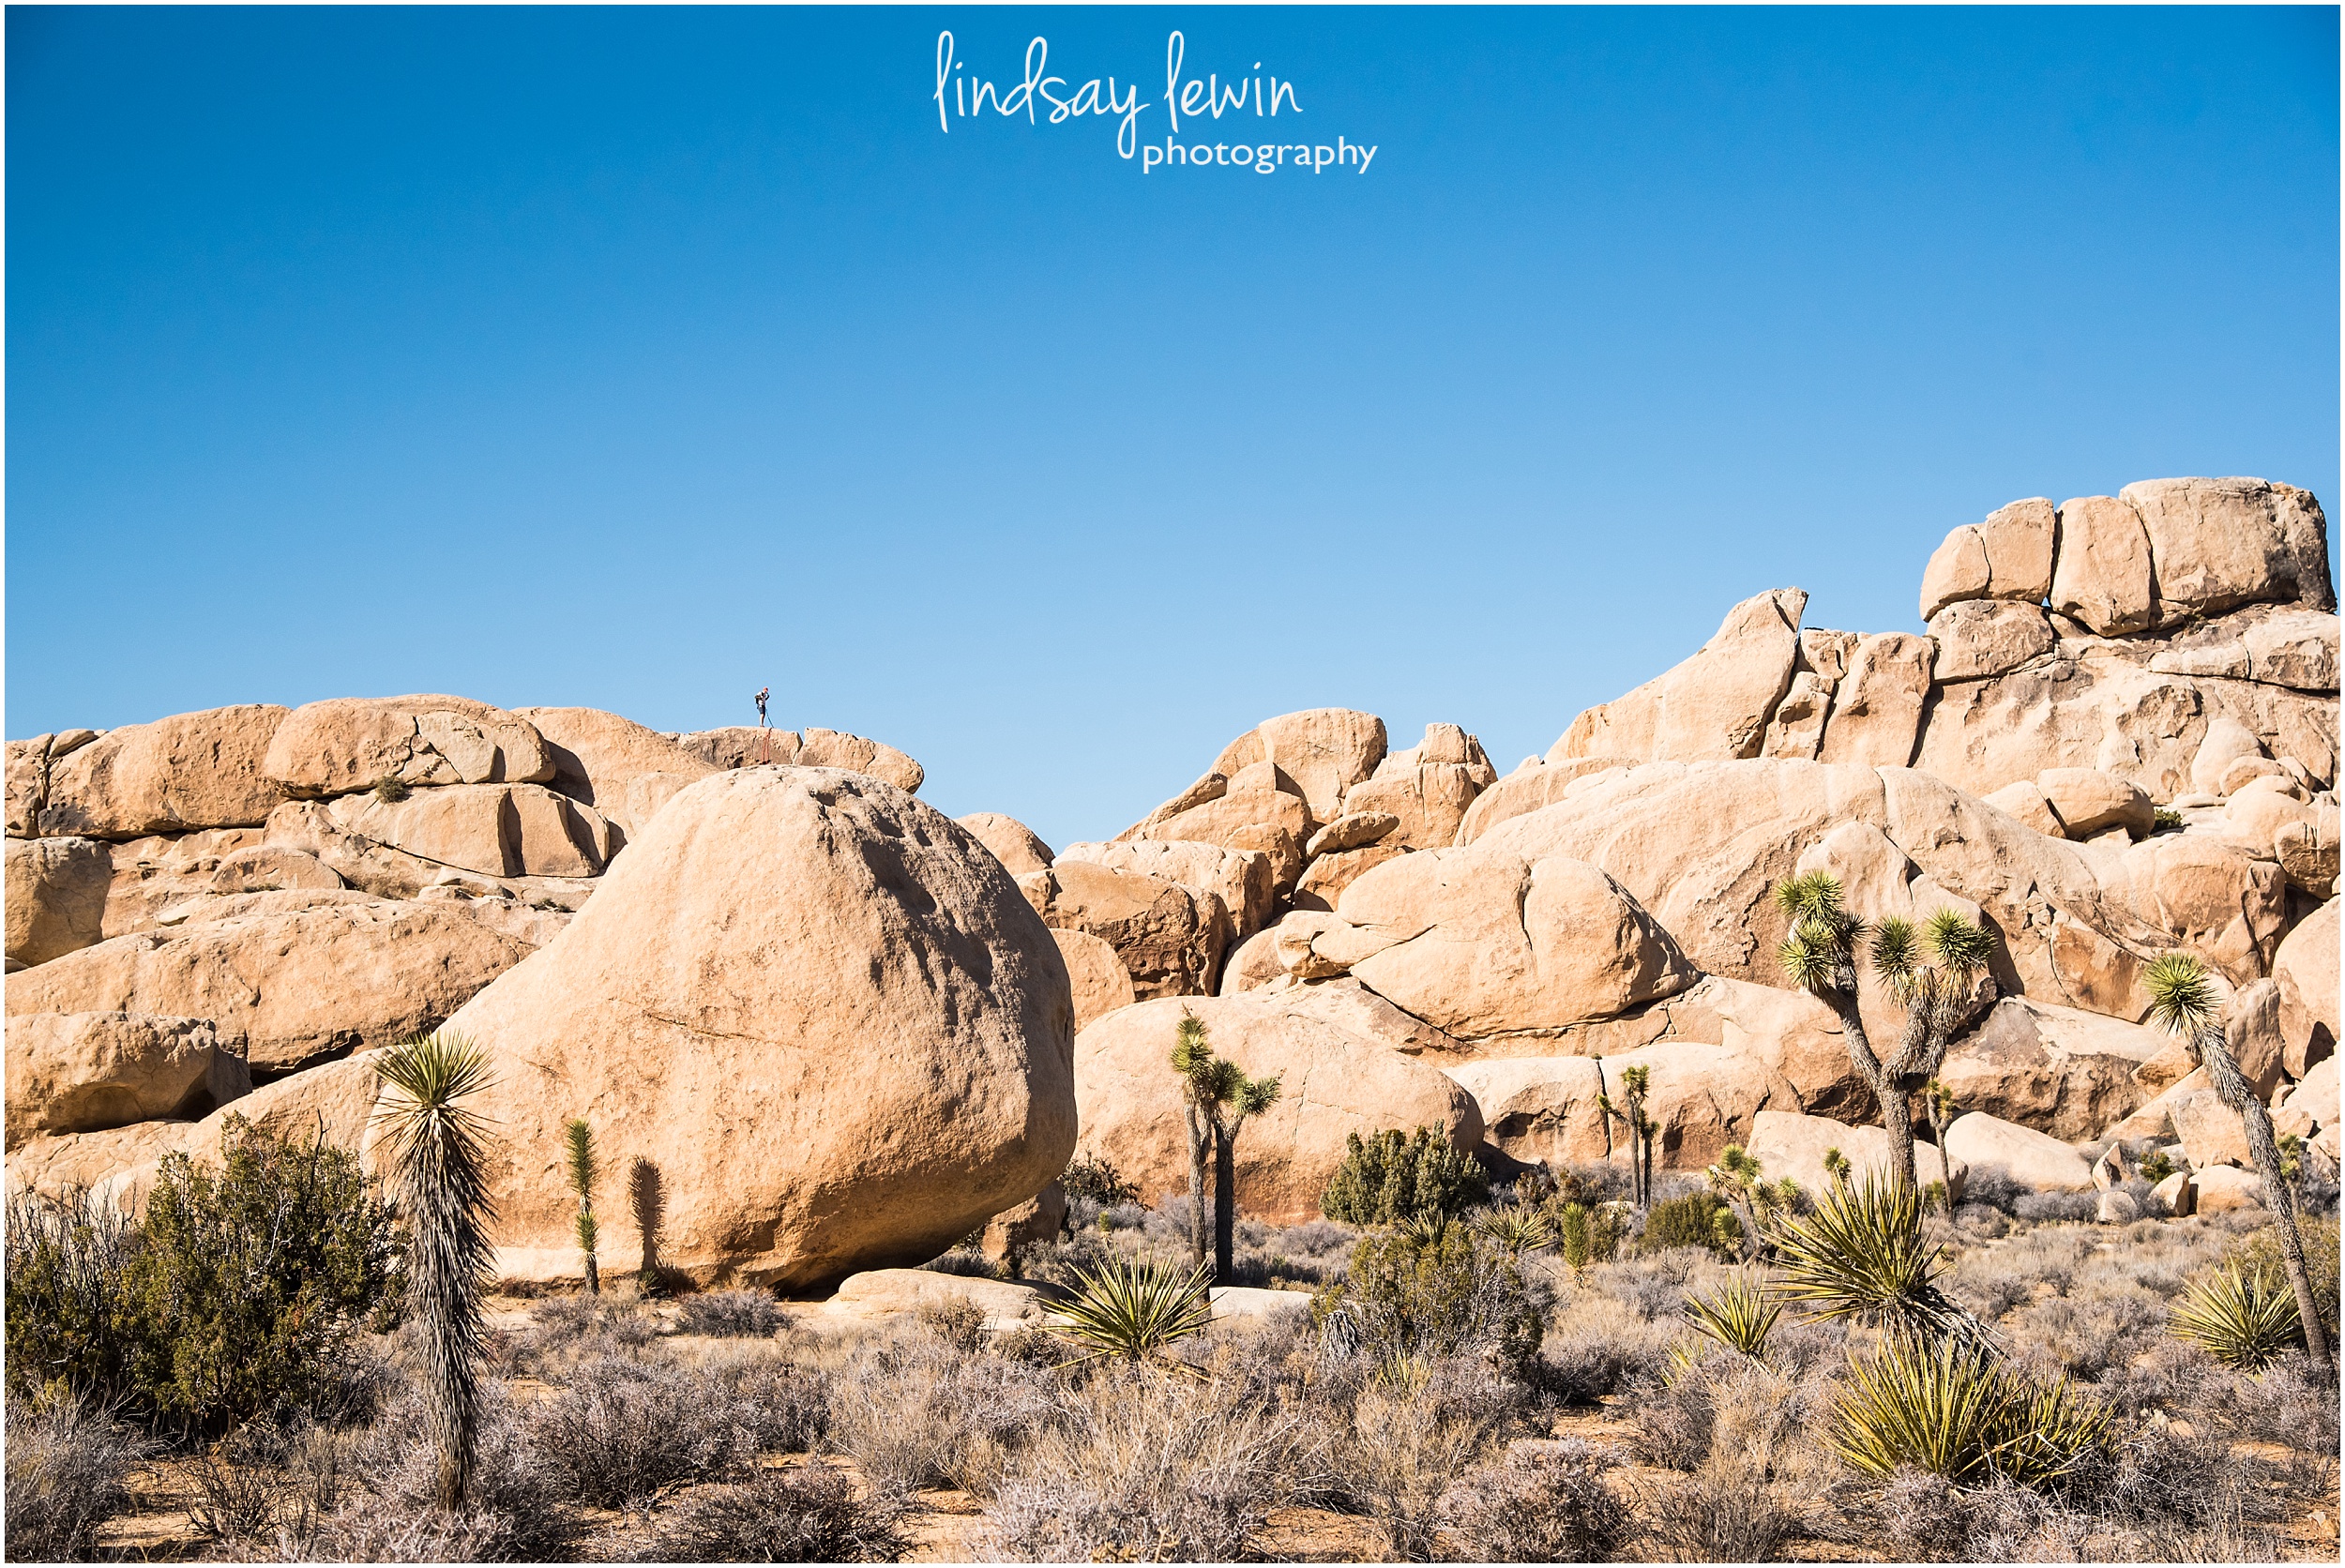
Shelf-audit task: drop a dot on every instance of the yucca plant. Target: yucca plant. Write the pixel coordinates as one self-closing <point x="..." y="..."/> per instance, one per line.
<point x="2242" y="1318"/>
<point x="1949" y="1409"/>
<point x="1738" y="1315"/>
<point x="1518" y="1227"/>
<point x="1133" y="1309"/>
<point x="1937" y="973"/>
<point x="1217" y="1098"/>
<point x="2182" y="1000"/>
<point x="578" y="1156"/>
<point x="1861" y="1254"/>
<point x="1740" y="1179"/>
<point x="1635" y="1083"/>
<point x="438" y="1156"/>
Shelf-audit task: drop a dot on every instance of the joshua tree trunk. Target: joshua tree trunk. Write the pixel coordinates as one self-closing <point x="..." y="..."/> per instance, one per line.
<point x="2232" y="1085"/>
<point x="1224" y="1202"/>
<point x="1197" y="1152"/>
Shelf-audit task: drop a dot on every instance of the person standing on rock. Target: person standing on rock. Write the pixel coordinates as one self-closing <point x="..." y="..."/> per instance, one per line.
<point x="765" y="736"/>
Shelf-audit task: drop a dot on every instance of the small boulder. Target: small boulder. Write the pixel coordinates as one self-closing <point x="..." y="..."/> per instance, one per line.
<point x="2224" y="1189"/>
<point x="1013" y="843"/>
<point x="1096" y="977"/>
<point x="2116" y="1207"/>
<point x="2008" y="557"/>
<point x="2218" y="543"/>
<point x="2211" y="1132"/>
<point x="1319" y="753"/>
<point x="2033" y="1159"/>
<point x="1789" y="1144"/>
<point x="1252" y="963"/>
<point x="348" y="744"/>
<point x="2089" y="802"/>
<point x="2025" y="802"/>
<point x="2175" y="1196"/>
<point x="56" y="897"/>
<point x="1979" y="637"/>
<point x="2101" y="576"/>
<point x="85" y="1072"/>
<point x="195" y="770"/>
<point x="1350" y="831"/>
<point x="1167" y="936"/>
<point x="878" y="1295"/>
<point x="2312" y="1105"/>
<point x="1325" y="878"/>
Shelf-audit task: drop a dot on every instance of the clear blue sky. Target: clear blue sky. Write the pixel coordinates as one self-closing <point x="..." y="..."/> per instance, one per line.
<point x="638" y="359"/>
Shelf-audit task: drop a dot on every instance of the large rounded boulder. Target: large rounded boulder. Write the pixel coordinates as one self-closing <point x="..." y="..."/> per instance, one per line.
<point x="808" y="1016"/>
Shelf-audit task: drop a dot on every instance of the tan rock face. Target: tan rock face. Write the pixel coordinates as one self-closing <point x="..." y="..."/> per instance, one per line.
<point x="2210" y="897"/>
<point x="285" y="990"/>
<point x="2026" y="803"/>
<point x="2102" y="576"/>
<point x="1427" y="790"/>
<point x="56" y="897"/>
<point x="1789" y="1144"/>
<point x="83" y="1072"/>
<point x="2224" y="1189"/>
<point x="1243" y="880"/>
<point x="1537" y="783"/>
<point x="1797" y="728"/>
<point x="2210" y="1131"/>
<point x="741" y="745"/>
<point x="829" y="748"/>
<point x="2312" y="1104"/>
<point x="2032" y="1159"/>
<point x="1094" y="976"/>
<point x="2251" y="1030"/>
<point x="1327" y="878"/>
<point x="1251" y="963"/>
<point x="1713" y="705"/>
<point x="1351" y="830"/>
<point x="1169" y="936"/>
<point x="346" y="743"/>
<point x="1977" y="638"/>
<point x="497" y="830"/>
<point x="1545" y="1109"/>
<point x="1013" y="843"/>
<point x="2285" y="645"/>
<point x="1480" y="941"/>
<point x="2088" y="801"/>
<point x="2306" y="968"/>
<point x="1261" y="819"/>
<point x="1877" y="708"/>
<point x="189" y="771"/>
<point x="2009" y="556"/>
<point x="1790" y="1033"/>
<point x="2218" y="543"/>
<point x="1333" y="1083"/>
<point x="623" y="770"/>
<point x="2057" y="1070"/>
<point x="817" y="1006"/>
<point x="1323" y="751"/>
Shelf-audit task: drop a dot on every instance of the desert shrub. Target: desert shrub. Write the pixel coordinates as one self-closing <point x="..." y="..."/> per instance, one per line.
<point x="267" y="1480"/>
<point x="956" y="1320"/>
<point x="1542" y="1504"/>
<point x="2292" y="1403"/>
<point x="69" y="1466"/>
<point x="1393" y="1176"/>
<point x="2165" y="819"/>
<point x="779" y="1404"/>
<point x="1721" y="1513"/>
<point x="1147" y="1466"/>
<point x="1095" y="1180"/>
<point x="1922" y="1515"/>
<point x="1308" y="1255"/>
<point x="254" y="1274"/>
<point x="2042" y="1208"/>
<point x="2085" y="1333"/>
<point x="1701" y="1219"/>
<point x="1949" y="1409"/>
<point x="1673" y="1419"/>
<point x="1737" y="1315"/>
<point x="1413" y="1430"/>
<point x="623" y="1429"/>
<point x="367" y="1532"/>
<point x="732" y="1314"/>
<point x="810" y="1515"/>
<point x="1067" y="1261"/>
<point x="70" y="1329"/>
<point x="2260" y="1254"/>
<point x="966" y="1260"/>
<point x="1590" y="1235"/>
<point x="513" y="1502"/>
<point x="2244" y="1318"/>
<point x="1433" y="1293"/>
<point x="916" y="1410"/>
<point x="1992" y="1186"/>
<point x="565" y="1332"/>
<point x="1134" y="1308"/>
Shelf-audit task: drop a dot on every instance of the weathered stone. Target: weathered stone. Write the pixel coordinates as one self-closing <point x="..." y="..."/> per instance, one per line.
<point x="1545" y="1109"/>
<point x="56" y="897"/>
<point x="2030" y="1158"/>
<point x="2088" y="801"/>
<point x="816" y="1006"/>
<point x="1095" y="976"/>
<point x="285" y="990"/>
<point x="2211" y="1132"/>
<point x="1537" y="783"/>
<point x="1167" y="936"/>
<point x="1789" y="1144"/>
<point x="28" y="784"/>
<point x="1252" y="820"/>
<point x="2284" y="645"/>
<point x="2175" y="1196"/>
<point x="623" y="770"/>
<point x="1977" y="638"/>
<point x="2024" y="802"/>
<point x="1252" y="963"/>
<point x="1013" y="843"/>
<point x="831" y="748"/>
<point x="1326" y="879"/>
<point x="1037" y="1222"/>
<point x="1333" y="1083"/>
<point x="497" y="830"/>
<point x="2210" y="897"/>
<point x="2305" y="968"/>
<point x="2116" y="1208"/>
<point x="1796" y="727"/>
<point x="2102" y="576"/>
<point x="2058" y="1070"/>
<point x="880" y="1295"/>
<point x="2312" y="1105"/>
<point x="1243" y="880"/>
<point x="1713" y="705"/>
<point x="85" y="1072"/>
<point x="1351" y="830"/>
<point x="1321" y="751"/>
<point x="740" y="746"/>
<point x="2009" y="557"/>
<point x="348" y="744"/>
<point x="1479" y="940"/>
<point x="189" y="771"/>
<point x="1877" y="707"/>
<point x="2224" y="1189"/>
<point x="2218" y="543"/>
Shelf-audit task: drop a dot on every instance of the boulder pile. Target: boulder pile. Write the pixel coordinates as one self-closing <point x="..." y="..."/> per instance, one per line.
<point x="844" y="1031"/>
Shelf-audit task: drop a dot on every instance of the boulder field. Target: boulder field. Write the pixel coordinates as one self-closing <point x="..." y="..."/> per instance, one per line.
<point x="841" y="1030"/>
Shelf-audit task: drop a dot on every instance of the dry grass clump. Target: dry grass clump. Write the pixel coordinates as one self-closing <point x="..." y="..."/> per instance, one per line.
<point x="920" y="1406"/>
<point x="732" y="1314"/>
<point x="1545" y="1502"/>
<point x="812" y="1514"/>
<point x="1615" y="1321"/>
<point x="1414" y="1431"/>
<point x="567" y="1331"/>
<point x="1151" y="1465"/>
<point x="68" y="1472"/>
<point x="513" y="1510"/>
<point x="2099" y="1324"/>
<point x="1722" y="1513"/>
<point x="623" y="1429"/>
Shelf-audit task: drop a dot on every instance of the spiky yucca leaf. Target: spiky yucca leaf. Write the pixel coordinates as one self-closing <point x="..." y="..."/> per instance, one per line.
<point x="1809" y="957"/>
<point x="2182" y="998"/>
<point x="1962" y="945"/>
<point x="1895" y="952"/>
<point x="577" y="1156"/>
<point x="1861" y="1254"/>
<point x="438" y="1155"/>
<point x="1738" y="1315"/>
<point x="1814" y="896"/>
<point x="1518" y="1227"/>
<point x="2242" y="1318"/>
<point x="1949" y="1409"/>
<point x="1131" y="1308"/>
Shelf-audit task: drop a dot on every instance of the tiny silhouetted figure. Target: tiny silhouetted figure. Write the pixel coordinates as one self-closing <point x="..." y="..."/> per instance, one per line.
<point x="649" y="1206"/>
<point x="765" y="739"/>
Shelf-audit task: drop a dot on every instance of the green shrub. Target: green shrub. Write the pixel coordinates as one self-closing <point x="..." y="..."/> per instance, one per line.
<point x="1411" y="1295"/>
<point x="2260" y="1254"/>
<point x="1099" y="1181"/>
<point x="253" y="1275"/>
<point x="2166" y="819"/>
<point x="1698" y="1219"/>
<point x="1862" y="1254"/>
<point x="1951" y="1409"/>
<point x="70" y="1331"/>
<point x="2157" y="1166"/>
<point x="1394" y="1176"/>
<point x="1590" y="1235"/>
<point x="2241" y="1315"/>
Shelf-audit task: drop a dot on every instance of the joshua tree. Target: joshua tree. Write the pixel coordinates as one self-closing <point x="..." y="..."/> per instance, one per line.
<point x="1634" y="1083"/>
<point x="1738" y="1178"/>
<point x="1940" y="1101"/>
<point x="438" y="1156"/>
<point x="1215" y="1098"/>
<point x="1941" y="998"/>
<point x="579" y="1147"/>
<point x="2182" y="999"/>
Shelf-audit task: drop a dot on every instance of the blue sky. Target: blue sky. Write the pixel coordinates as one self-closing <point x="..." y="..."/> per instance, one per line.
<point x="637" y="359"/>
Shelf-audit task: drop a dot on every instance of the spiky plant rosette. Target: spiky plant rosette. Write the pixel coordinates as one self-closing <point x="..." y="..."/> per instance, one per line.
<point x="1861" y="1252"/>
<point x="2184" y="999"/>
<point x="1132" y="1307"/>
<point x="2242" y="1318"/>
<point x="1948" y="1408"/>
<point x="1818" y="955"/>
<point x="1518" y="1227"/>
<point x="1738" y="1315"/>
